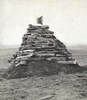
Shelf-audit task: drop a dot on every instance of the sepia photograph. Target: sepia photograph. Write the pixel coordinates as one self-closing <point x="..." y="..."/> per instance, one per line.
<point x="43" y="49"/>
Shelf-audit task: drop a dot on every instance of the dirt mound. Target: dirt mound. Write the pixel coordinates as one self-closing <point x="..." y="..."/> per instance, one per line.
<point x="41" y="68"/>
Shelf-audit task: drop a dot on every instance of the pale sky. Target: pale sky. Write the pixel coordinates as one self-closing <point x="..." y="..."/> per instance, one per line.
<point x="67" y="18"/>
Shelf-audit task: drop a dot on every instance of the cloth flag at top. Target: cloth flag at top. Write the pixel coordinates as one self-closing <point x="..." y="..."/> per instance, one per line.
<point x="40" y="20"/>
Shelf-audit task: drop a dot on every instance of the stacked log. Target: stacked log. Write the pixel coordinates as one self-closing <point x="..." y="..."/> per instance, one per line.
<point x="40" y="53"/>
<point x="39" y="43"/>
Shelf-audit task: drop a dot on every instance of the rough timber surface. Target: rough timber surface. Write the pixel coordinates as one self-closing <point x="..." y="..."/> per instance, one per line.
<point x="40" y="54"/>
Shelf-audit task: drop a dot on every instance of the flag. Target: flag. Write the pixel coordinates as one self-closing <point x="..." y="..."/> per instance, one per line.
<point x="40" y="20"/>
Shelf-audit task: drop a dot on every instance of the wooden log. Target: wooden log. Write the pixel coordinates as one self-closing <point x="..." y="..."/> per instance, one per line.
<point x="46" y="97"/>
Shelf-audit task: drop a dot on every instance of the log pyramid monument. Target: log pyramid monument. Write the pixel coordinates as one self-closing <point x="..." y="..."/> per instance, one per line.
<point x="40" y="53"/>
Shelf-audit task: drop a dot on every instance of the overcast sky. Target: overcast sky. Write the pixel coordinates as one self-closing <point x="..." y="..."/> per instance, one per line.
<point x="67" y="18"/>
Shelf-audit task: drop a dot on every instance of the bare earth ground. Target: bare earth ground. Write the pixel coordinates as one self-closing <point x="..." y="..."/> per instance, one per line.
<point x="80" y="56"/>
<point x="57" y="87"/>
